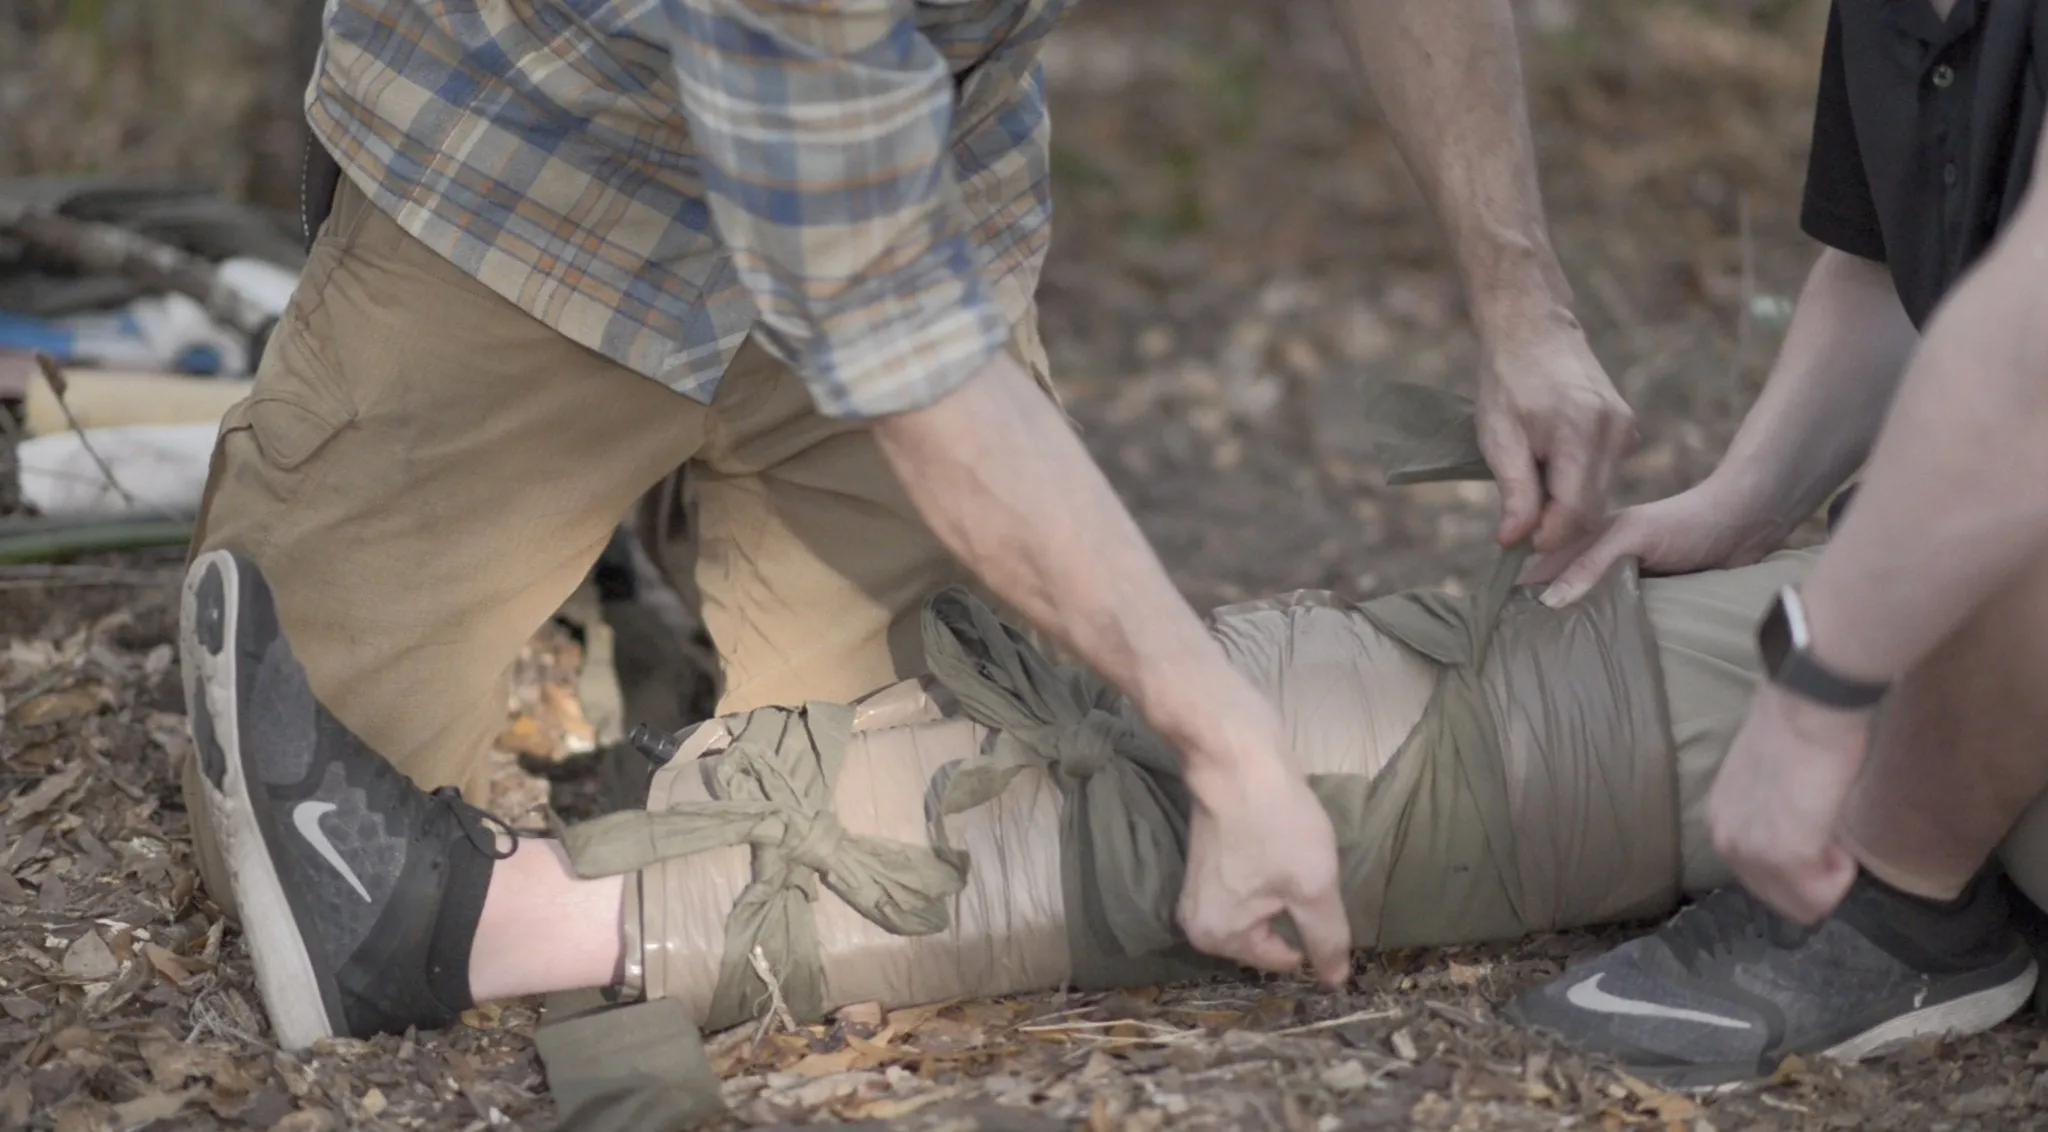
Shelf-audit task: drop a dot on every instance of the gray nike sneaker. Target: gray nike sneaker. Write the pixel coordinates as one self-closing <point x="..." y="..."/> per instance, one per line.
<point x="359" y="893"/>
<point x="1728" y="989"/>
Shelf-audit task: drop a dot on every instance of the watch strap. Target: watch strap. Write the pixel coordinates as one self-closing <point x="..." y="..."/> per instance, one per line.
<point x="1802" y="675"/>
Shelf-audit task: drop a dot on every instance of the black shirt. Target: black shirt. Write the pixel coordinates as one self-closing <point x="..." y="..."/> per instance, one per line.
<point x="1924" y="134"/>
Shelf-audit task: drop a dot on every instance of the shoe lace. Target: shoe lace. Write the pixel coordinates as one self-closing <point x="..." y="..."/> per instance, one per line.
<point x="479" y="825"/>
<point x="1729" y="922"/>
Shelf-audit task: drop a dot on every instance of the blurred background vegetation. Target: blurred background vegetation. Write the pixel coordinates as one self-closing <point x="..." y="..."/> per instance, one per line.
<point x="1235" y="233"/>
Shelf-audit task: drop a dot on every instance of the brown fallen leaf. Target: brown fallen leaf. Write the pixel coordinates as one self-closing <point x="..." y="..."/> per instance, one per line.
<point x="305" y="1120"/>
<point x="81" y="1115"/>
<point x="15" y="1103"/>
<point x="911" y="1017"/>
<point x="875" y="1055"/>
<point x="527" y="737"/>
<point x="946" y="1036"/>
<point x="1274" y="1010"/>
<point x="1664" y="1105"/>
<point x="1104" y="1114"/>
<point x="987" y="1015"/>
<point x="149" y="1108"/>
<point x="565" y="708"/>
<point x="172" y="1062"/>
<point x="1789" y="1070"/>
<point x="484" y="1017"/>
<point x="167" y="964"/>
<point x="1465" y="976"/>
<point x="90" y="960"/>
<point x="827" y="1064"/>
<point x="39" y="797"/>
<point x="895" y="1108"/>
<point x="60" y="707"/>
<point x="40" y="756"/>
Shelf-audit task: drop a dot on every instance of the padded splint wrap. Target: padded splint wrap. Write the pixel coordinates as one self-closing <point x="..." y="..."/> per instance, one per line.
<point x="1492" y="768"/>
<point x="1533" y="791"/>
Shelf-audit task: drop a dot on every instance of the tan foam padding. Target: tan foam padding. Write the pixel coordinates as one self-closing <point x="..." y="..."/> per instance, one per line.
<point x="1586" y="820"/>
<point x="1009" y="928"/>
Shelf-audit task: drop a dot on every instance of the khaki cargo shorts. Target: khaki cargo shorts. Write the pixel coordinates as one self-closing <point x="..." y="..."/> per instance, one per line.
<point x="425" y="473"/>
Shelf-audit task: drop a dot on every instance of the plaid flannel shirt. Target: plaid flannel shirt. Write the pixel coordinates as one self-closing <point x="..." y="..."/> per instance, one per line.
<point x="864" y="182"/>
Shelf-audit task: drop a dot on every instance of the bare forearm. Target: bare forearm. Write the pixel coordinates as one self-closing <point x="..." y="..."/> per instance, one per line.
<point x="1826" y="399"/>
<point x="1448" y="78"/>
<point x="1955" y="498"/>
<point x="1011" y="491"/>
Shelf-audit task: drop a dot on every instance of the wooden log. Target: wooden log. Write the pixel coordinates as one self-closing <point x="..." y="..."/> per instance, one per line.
<point x="116" y="398"/>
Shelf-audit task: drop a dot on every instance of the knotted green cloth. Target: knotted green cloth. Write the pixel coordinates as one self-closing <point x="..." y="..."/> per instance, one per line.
<point x="1124" y="817"/>
<point x="1433" y="831"/>
<point x="773" y="791"/>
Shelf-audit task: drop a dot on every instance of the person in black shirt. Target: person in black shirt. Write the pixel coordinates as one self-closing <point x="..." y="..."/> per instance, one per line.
<point x="1869" y="913"/>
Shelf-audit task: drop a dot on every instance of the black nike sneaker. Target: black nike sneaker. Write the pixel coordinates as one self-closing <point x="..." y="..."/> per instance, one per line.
<point x="359" y="893"/>
<point x="1728" y="989"/>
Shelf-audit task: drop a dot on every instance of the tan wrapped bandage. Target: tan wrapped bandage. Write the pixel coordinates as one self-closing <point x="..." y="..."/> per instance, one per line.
<point x="1492" y="767"/>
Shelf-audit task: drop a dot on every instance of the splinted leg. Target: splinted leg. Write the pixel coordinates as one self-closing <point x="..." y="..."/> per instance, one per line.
<point x="372" y="906"/>
<point x="369" y="905"/>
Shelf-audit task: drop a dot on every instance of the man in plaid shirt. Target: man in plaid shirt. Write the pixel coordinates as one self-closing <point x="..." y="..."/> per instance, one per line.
<point x="790" y="247"/>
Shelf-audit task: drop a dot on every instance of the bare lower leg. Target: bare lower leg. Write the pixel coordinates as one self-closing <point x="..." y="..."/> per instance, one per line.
<point x="1961" y="749"/>
<point x="544" y="928"/>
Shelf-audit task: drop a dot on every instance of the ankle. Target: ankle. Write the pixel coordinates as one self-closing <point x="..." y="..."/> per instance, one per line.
<point x="1935" y="886"/>
<point x="545" y="929"/>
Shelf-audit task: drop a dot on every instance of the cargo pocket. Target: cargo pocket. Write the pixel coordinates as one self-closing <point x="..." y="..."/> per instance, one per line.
<point x="256" y="472"/>
<point x="286" y="428"/>
<point x="262" y="453"/>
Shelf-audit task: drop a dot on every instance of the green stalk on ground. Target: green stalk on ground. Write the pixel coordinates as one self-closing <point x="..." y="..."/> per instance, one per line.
<point x="54" y="540"/>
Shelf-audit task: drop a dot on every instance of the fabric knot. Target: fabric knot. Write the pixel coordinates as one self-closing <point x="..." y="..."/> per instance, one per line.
<point x="813" y="841"/>
<point x="1085" y="749"/>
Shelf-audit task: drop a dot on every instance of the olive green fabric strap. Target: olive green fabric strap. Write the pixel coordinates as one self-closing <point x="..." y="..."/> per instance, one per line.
<point x="1124" y="817"/>
<point x="631" y="1068"/>
<point x="773" y="791"/>
<point x="1434" y="834"/>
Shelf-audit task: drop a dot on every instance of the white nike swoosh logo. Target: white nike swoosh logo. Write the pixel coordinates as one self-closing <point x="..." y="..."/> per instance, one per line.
<point x="1588" y="996"/>
<point x="306" y="816"/>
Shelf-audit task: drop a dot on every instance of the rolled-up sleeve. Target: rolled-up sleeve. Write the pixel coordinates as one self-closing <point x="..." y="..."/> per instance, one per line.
<point x="825" y="131"/>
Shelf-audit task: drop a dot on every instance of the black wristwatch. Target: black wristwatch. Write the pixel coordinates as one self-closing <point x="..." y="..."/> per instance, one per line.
<point x="1787" y="648"/>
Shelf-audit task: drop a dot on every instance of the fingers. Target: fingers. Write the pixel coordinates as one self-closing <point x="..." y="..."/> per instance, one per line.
<point x="1579" y="472"/>
<point x="1578" y="491"/>
<point x="1806" y="893"/>
<point x="1542" y="569"/>
<point x="1521" y="488"/>
<point x="1591" y="565"/>
<point x="1253" y="943"/>
<point x="1326" y="933"/>
<point x="1262" y="947"/>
